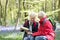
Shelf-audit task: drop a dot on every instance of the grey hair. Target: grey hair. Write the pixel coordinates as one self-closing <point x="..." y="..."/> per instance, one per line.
<point x="32" y="14"/>
<point x="42" y="13"/>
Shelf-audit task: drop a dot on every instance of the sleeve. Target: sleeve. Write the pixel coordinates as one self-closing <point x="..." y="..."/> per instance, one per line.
<point x="24" y="25"/>
<point x="49" y="29"/>
<point x="36" y="34"/>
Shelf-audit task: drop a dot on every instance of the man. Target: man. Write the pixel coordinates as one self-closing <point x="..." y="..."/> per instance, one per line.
<point x="45" y="31"/>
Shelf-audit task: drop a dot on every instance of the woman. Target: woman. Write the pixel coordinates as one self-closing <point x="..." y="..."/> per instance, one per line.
<point x="32" y="25"/>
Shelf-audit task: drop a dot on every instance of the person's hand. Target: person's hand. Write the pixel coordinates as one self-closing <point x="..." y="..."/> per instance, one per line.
<point x="29" y="32"/>
<point x="20" y="29"/>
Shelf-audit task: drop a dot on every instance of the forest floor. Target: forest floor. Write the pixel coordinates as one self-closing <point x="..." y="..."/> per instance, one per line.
<point x="9" y="33"/>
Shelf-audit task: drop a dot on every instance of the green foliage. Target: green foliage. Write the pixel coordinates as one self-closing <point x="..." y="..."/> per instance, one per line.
<point x="11" y="36"/>
<point x="19" y="37"/>
<point x="25" y="6"/>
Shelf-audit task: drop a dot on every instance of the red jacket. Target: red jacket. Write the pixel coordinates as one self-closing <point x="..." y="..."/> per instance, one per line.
<point x="45" y="30"/>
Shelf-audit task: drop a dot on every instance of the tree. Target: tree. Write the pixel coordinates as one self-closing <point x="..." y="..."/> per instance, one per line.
<point x="53" y="5"/>
<point x="18" y="14"/>
<point x="5" y="11"/>
<point x="0" y="13"/>
<point x="59" y="11"/>
<point x="25" y="7"/>
<point x="45" y="5"/>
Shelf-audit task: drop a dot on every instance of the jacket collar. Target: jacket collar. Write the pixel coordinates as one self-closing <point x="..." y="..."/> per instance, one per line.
<point x="41" y="20"/>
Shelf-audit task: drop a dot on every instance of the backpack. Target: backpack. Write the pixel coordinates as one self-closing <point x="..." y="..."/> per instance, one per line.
<point x="52" y="22"/>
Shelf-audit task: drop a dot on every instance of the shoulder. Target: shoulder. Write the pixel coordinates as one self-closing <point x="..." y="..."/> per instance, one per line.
<point x="48" y="23"/>
<point x="26" y="23"/>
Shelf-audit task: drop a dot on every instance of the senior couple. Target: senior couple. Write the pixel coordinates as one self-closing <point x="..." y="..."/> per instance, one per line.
<point x="38" y="31"/>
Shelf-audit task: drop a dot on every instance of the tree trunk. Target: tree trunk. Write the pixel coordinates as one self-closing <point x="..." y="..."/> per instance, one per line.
<point x="59" y="11"/>
<point x="45" y="5"/>
<point x="18" y="14"/>
<point x="24" y="4"/>
<point x="53" y="5"/>
<point x="0" y="12"/>
<point x="24" y="7"/>
<point x="5" y="12"/>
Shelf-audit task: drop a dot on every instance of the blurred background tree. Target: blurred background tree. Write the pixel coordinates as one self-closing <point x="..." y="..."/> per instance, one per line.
<point x="59" y="11"/>
<point x="13" y="12"/>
